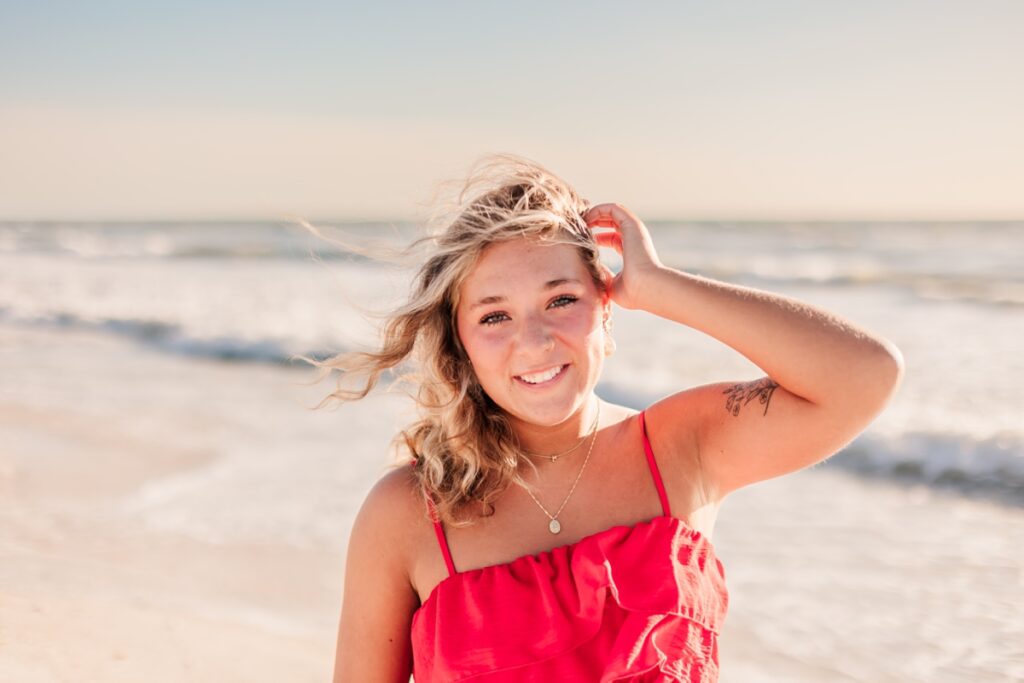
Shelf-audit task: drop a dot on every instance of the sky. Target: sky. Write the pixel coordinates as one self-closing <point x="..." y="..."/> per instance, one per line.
<point x="727" y="110"/>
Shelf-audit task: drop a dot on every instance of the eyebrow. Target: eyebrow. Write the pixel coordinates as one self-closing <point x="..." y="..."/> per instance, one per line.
<point x="497" y="299"/>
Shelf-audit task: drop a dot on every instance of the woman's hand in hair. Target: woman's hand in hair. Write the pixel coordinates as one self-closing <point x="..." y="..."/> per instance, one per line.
<point x="630" y="237"/>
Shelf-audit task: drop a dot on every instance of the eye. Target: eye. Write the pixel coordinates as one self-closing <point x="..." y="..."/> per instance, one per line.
<point x="493" y="318"/>
<point x="564" y="300"/>
<point x="558" y="302"/>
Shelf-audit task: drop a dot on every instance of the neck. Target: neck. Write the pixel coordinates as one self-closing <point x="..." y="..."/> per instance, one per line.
<point x="539" y="440"/>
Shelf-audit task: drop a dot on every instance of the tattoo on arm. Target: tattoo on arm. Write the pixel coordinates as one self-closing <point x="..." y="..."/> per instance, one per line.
<point x="742" y="394"/>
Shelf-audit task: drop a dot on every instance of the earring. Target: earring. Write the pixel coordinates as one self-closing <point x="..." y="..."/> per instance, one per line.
<point x="609" y="341"/>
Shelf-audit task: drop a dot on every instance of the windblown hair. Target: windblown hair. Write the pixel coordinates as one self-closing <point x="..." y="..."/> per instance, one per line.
<point x="464" y="449"/>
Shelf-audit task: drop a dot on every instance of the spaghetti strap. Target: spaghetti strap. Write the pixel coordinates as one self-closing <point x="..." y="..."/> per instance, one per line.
<point x="442" y="540"/>
<point x="654" y="468"/>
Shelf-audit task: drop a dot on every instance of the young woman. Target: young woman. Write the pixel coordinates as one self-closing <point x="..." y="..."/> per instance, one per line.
<point x="537" y="532"/>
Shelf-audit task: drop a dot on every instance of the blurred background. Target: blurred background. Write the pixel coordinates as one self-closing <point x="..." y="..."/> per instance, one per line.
<point x="173" y="510"/>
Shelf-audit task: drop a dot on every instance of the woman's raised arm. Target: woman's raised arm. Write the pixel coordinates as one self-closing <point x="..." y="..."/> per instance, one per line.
<point x="826" y="378"/>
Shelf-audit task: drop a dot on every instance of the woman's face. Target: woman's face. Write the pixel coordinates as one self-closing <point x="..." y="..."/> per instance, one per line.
<point x="530" y="318"/>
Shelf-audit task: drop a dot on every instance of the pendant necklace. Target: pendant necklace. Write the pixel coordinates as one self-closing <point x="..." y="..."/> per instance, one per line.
<point x="555" y="526"/>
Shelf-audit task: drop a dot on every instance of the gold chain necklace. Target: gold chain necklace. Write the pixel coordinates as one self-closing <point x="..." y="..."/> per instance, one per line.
<point x="555" y="526"/>
<point x="579" y="443"/>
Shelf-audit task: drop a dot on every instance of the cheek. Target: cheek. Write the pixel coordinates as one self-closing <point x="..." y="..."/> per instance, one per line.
<point x="583" y="324"/>
<point x="484" y="346"/>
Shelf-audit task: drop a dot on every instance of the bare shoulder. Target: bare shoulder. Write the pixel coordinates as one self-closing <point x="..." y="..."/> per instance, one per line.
<point x="677" y="424"/>
<point x="379" y="600"/>
<point x="396" y="498"/>
<point x="393" y="516"/>
<point x="672" y="425"/>
<point x="672" y="422"/>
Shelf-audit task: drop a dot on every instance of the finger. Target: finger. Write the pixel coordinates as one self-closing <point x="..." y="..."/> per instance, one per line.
<point x="609" y="214"/>
<point x="598" y="211"/>
<point x="612" y="240"/>
<point x="596" y="220"/>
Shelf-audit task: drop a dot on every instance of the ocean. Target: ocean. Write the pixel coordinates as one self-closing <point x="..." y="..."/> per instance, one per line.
<point x="949" y="295"/>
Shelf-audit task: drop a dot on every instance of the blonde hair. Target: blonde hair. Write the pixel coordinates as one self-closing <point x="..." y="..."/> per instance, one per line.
<point x="464" y="449"/>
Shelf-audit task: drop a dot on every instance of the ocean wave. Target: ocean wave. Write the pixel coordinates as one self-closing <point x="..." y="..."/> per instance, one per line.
<point x="979" y="288"/>
<point x="230" y="241"/>
<point x="972" y="263"/>
<point x="172" y="338"/>
<point x="992" y="466"/>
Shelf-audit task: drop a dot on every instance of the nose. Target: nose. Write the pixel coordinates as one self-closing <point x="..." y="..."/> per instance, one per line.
<point x="535" y="334"/>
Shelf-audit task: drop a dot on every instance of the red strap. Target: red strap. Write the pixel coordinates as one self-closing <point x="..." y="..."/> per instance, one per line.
<point x="654" y="468"/>
<point x="441" y="539"/>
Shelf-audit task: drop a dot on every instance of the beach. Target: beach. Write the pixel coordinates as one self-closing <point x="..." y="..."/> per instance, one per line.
<point x="89" y="592"/>
<point x="172" y="510"/>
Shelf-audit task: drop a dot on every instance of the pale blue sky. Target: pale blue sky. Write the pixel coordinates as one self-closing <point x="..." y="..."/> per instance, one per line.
<point x="758" y="109"/>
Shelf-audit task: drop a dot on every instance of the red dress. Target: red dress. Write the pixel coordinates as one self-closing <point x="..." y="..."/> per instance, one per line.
<point x="631" y="603"/>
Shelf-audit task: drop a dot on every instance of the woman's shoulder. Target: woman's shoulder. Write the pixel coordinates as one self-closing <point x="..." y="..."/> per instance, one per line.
<point x="672" y="426"/>
<point x="676" y="416"/>
<point x="397" y="498"/>
<point x="395" y="512"/>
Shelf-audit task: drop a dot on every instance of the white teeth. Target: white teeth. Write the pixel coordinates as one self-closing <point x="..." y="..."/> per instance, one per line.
<point x="541" y="376"/>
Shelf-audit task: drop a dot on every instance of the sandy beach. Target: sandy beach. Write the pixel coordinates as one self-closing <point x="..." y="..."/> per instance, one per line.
<point x="90" y="593"/>
<point x="125" y="556"/>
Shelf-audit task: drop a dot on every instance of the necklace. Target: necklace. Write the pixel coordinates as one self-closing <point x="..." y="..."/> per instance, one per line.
<point x="555" y="526"/>
<point x="579" y="443"/>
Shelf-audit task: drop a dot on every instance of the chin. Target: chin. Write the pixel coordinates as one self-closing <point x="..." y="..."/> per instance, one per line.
<point x="548" y="415"/>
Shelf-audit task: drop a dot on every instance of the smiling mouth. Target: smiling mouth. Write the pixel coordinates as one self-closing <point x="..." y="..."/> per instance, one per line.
<point x="544" y="377"/>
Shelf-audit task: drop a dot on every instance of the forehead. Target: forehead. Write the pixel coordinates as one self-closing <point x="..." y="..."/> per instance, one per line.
<point x="524" y="262"/>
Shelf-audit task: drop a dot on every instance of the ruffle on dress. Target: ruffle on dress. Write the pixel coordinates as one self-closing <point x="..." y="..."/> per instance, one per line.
<point x="630" y="603"/>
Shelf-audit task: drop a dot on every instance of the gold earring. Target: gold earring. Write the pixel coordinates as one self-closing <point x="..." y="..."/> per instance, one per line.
<point x="609" y="341"/>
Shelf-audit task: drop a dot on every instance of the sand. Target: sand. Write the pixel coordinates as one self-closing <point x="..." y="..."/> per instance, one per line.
<point x="171" y="519"/>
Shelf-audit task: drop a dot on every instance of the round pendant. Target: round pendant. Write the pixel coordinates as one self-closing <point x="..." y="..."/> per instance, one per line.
<point x="554" y="527"/>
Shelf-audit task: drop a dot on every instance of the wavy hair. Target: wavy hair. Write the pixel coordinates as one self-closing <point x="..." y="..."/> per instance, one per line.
<point x="464" y="450"/>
